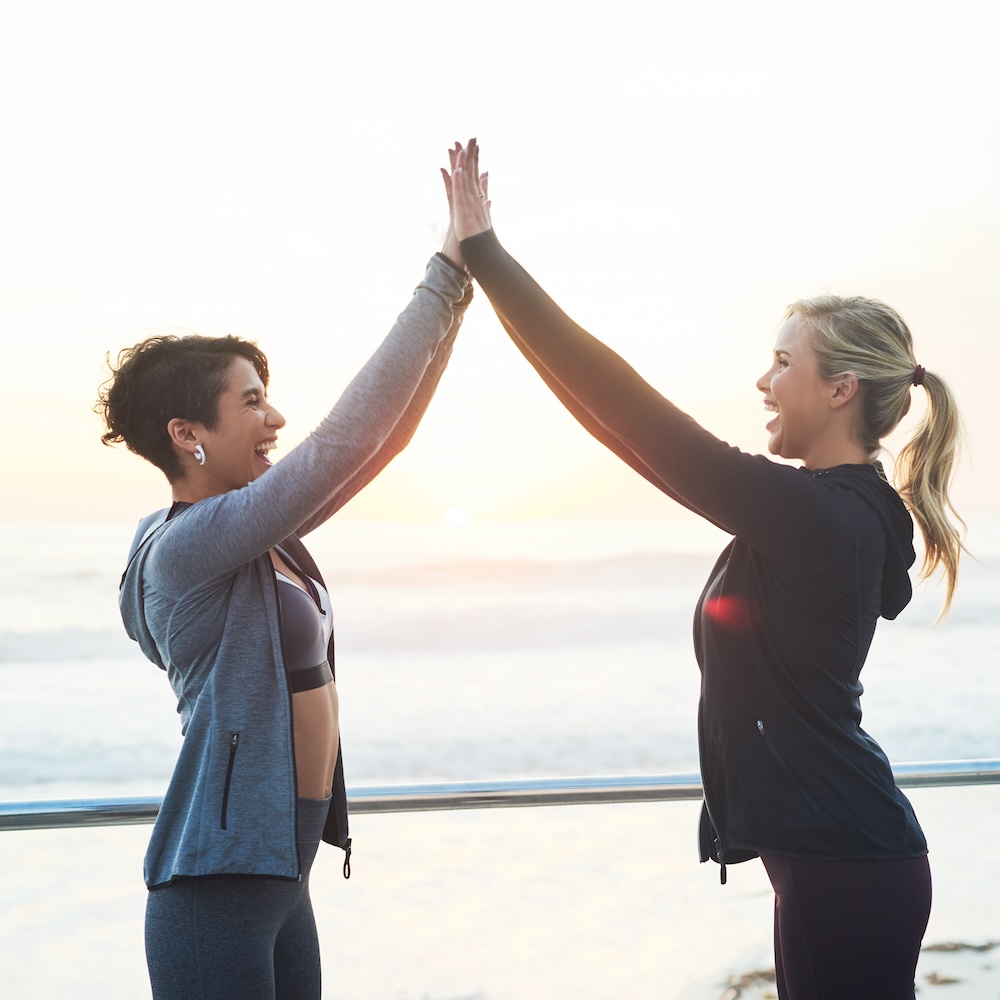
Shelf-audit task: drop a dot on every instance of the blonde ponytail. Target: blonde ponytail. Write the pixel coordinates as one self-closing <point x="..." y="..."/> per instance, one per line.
<point x="924" y="469"/>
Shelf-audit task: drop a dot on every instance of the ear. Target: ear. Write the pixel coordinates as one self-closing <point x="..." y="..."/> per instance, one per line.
<point x="183" y="434"/>
<point x="845" y="388"/>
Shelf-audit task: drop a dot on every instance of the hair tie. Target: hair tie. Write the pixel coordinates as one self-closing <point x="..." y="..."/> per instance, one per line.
<point x="918" y="375"/>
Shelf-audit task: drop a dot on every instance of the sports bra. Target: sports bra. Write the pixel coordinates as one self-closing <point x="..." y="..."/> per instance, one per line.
<point x="306" y="626"/>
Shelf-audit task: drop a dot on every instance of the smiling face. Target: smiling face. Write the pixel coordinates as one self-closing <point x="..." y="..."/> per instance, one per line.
<point x="796" y="395"/>
<point x="245" y="431"/>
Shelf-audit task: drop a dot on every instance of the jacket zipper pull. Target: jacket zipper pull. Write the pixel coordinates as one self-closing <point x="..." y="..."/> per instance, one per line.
<point x="234" y="742"/>
<point x="722" y="873"/>
<point x="347" y="858"/>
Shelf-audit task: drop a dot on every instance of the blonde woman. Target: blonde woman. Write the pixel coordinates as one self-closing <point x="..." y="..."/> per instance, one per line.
<point x="819" y="553"/>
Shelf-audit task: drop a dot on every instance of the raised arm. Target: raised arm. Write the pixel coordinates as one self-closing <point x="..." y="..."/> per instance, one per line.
<point x="370" y="422"/>
<point x="399" y="437"/>
<point x="741" y="493"/>
<point x="469" y="206"/>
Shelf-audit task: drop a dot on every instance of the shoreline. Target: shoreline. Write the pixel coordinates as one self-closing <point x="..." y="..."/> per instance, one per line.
<point x="968" y="969"/>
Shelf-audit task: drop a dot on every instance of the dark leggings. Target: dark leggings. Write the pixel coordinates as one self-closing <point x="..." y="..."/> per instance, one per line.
<point x="237" y="938"/>
<point x="848" y="930"/>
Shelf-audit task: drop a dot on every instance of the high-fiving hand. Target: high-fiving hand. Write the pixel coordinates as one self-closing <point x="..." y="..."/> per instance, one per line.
<point x="468" y="192"/>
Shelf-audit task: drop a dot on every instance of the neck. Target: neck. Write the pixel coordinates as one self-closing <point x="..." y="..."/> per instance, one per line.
<point x="826" y="457"/>
<point x="189" y="490"/>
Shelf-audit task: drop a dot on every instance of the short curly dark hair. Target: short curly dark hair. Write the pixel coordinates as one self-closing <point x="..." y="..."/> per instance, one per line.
<point x="164" y="377"/>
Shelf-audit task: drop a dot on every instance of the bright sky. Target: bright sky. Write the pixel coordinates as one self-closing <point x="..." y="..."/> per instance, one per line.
<point x="674" y="174"/>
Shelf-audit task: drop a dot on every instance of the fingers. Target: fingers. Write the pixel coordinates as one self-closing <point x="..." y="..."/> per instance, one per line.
<point x="474" y="161"/>
<point x="465" y="171"/>
<point x="459" y="173"/>
<point x="447" y="188"/>
<point x="470" y="207"/>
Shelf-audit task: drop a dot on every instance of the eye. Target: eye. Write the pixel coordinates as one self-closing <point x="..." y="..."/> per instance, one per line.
<point x="782" y="363"/>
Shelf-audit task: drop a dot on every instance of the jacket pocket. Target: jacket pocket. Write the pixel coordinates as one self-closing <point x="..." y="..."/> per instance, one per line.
<point x="234" y="742"/>
<point x="778" y="757"/>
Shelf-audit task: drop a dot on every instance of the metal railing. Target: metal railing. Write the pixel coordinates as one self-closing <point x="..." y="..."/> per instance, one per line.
<point x="62" y="813"/>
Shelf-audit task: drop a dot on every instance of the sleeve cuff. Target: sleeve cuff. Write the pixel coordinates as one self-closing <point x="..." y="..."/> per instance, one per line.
<point x="451" y="263"/>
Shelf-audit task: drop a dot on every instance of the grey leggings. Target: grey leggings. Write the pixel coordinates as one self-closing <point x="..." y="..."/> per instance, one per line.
<point x="238" y="938"/>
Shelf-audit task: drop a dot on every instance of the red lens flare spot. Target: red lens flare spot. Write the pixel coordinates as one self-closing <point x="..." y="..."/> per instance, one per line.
<point x="730" y="612"/>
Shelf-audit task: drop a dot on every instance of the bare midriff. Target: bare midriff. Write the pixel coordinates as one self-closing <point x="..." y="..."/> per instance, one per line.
<point x="315" y="725"/>
<point x="315" y="730"/>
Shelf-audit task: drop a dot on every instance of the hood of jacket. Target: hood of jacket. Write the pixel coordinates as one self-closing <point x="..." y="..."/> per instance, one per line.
<point x="868" y="482"/>
<point x="130" y="594"/>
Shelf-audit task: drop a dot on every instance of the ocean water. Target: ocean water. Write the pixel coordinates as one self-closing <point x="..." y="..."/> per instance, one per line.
<point x="503" y="650"/>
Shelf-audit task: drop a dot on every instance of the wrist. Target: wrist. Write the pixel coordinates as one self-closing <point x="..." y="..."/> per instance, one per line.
<point x="451" y="262"/>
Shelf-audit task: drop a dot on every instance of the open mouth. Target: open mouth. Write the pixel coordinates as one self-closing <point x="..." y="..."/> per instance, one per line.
<point x="772" y="410"/>
<point x="261" y="452"/>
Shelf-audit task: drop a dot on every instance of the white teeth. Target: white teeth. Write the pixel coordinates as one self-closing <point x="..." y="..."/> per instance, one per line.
<point x="263" y="449"/>
<point x="770" y="407"/>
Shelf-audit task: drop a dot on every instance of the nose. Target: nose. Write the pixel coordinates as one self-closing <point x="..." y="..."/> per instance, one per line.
<point x="764" y="382"/>
<point x="274" y="418"/>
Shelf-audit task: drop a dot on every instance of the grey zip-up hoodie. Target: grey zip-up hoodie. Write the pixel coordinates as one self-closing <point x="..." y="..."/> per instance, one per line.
<point x="199" y="596"/>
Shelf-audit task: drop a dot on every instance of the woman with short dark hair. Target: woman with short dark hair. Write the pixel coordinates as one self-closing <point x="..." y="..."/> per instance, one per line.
<point x="221" y="593"/>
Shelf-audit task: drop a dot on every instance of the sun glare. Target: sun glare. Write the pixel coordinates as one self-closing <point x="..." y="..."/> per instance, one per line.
<point x="458" y="517"/>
